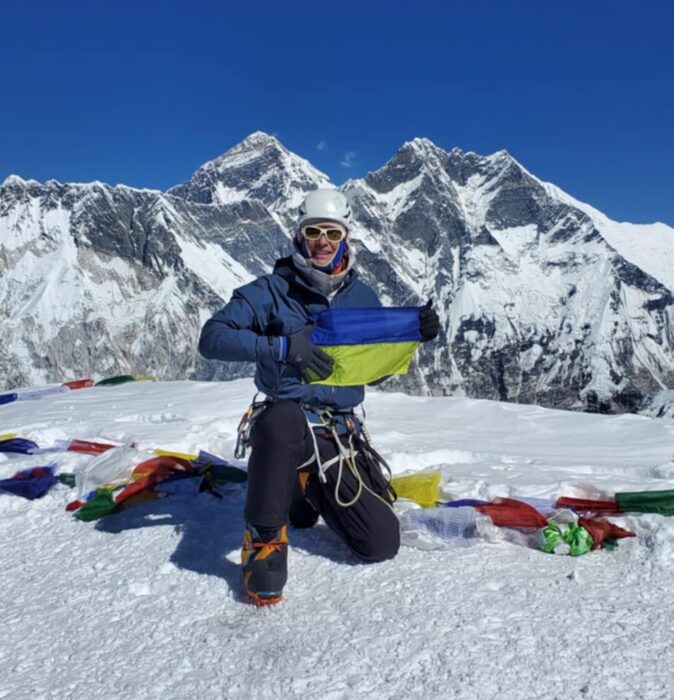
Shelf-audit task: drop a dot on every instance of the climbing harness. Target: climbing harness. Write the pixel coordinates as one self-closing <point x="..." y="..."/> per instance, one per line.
<point x="341" y="427"/>
<point x="358" y="444"/>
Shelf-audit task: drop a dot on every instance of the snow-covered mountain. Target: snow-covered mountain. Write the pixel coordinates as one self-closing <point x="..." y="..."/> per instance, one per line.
<point x="259" y="168"/>
<point x="99" y="280"/>
<point x="542" y="298"/>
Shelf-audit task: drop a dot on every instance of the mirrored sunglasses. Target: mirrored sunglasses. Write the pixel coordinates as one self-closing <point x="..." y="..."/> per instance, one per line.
<point x="333" y="234"/>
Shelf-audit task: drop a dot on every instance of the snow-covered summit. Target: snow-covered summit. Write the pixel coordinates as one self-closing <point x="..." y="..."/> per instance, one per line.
<point x="17" y="181"/>
<point x="147" y="603"/>
<point x="250" y="148"/>
<point x="12" y="180"/>
<point x="422" y="146"/>
<point x="258" y="139"/>
<point x="259" y="168"/>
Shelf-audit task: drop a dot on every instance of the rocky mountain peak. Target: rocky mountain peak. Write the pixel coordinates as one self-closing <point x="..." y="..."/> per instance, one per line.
<point x="17" y="182"/>
<point x="256" y="145"/>
<point x="414" y="158"/>
<point x="259" y="167"/>
<point x="261" y="139"/>
<point x="423" y="147"/>
<point x="13" y="181"/>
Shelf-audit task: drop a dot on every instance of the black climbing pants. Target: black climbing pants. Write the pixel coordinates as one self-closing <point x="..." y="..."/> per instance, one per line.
<point x="281" y="442"/>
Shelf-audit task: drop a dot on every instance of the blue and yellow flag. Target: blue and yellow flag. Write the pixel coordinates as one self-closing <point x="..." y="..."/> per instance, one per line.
<point x="367" y="344"/>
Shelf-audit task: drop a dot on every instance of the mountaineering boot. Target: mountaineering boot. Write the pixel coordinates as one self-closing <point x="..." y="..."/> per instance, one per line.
<point x="264" y="563"/>
<point x="302" y="513"/>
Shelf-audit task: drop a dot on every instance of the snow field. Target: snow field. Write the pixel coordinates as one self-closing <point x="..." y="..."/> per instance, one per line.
<point x="147" y="603"/>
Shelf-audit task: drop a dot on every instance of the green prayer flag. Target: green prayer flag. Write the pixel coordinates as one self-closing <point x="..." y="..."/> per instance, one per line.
<point x="646" y="502"/>
<point x="121" y="379"/>
<point x="67" y="479"/>
<point x="100" y="505"/>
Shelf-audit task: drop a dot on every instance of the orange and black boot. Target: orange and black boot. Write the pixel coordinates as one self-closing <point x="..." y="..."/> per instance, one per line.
<point x="264" y="561"/>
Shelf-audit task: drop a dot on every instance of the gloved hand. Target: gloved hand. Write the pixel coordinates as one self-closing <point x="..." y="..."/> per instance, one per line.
<point x="304" y="355"/>
<point x="429" y="323"/>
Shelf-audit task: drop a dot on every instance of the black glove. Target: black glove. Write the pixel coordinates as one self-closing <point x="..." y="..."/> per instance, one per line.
<point x="429" y="323"/>
<point x="304" y="355"/>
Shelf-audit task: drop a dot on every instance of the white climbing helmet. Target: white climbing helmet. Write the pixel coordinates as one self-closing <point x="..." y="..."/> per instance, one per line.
<point x="326" y="204"/>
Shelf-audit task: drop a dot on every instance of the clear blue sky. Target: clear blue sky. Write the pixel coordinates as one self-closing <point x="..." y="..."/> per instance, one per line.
<point x="580" y="91"/>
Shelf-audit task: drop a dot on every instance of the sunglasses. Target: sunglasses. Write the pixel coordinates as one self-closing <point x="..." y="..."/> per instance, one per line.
<point x="333" y="234"/>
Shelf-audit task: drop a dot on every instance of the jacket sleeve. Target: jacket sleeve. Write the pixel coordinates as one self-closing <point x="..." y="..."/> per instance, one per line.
<point x="234" y="334"/>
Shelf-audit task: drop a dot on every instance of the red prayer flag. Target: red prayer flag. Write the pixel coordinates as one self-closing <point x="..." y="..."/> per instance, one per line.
<point x="94" y="448"/>
<point x="508" y="512"/>
<point x="79" y="384"/>
<point x="586" y="505"/>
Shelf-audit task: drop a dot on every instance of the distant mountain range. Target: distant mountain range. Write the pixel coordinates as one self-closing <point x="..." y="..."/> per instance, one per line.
<point x="542" y="299"/>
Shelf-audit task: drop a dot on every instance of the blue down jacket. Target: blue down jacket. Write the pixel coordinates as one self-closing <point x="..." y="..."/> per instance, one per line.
<point x="275" y="305"/>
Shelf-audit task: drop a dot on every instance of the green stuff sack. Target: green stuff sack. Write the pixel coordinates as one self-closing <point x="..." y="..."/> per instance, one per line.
<point x="646" y="502"/>
<point x="565" y="539"/>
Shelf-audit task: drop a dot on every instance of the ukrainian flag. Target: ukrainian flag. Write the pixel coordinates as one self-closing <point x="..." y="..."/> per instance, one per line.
<point x="367" y="344"/>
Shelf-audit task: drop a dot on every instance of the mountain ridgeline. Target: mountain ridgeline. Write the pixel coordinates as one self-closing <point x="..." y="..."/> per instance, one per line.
<point x="541" y="298"/>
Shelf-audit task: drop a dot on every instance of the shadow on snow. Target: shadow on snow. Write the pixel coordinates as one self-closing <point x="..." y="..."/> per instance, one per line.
<point x="211" y="529"/>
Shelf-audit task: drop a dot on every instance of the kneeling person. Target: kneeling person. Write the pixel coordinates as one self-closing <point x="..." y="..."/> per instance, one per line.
<point x="267" y="322"/>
